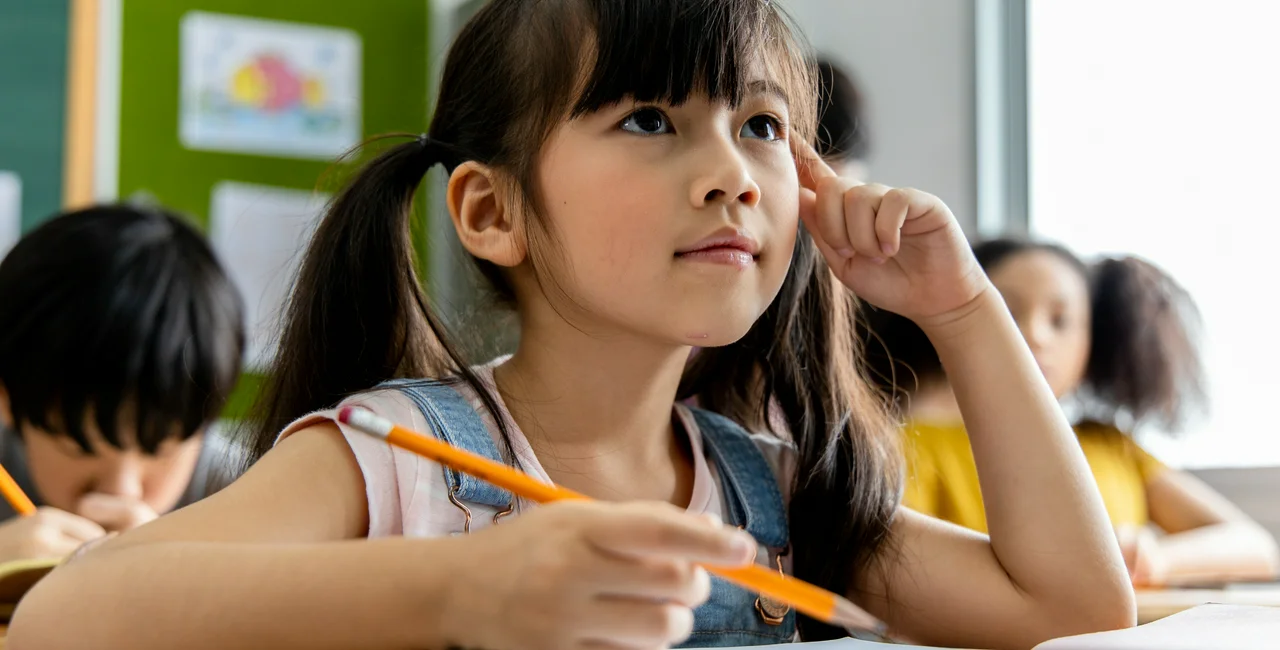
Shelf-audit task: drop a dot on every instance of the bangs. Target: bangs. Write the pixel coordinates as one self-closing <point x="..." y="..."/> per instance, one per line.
<point x="139" y="334"/>
<point x="670" y="50"/>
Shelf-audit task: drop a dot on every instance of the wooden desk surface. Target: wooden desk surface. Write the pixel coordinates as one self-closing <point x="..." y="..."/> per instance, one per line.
<point x="1157" y="604"/>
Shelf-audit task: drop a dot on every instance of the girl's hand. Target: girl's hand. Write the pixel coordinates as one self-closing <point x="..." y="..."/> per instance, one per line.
<point x="1141" y="550"/>
<point x="588" y="575"/>
<point x="899" y="249"/>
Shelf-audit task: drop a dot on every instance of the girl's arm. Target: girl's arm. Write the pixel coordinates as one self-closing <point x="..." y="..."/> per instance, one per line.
<point x="258" y="564"/>
<point x="1209" y="539"/>
<point x="1051" y="566"/>
<point x="272" y="562"/>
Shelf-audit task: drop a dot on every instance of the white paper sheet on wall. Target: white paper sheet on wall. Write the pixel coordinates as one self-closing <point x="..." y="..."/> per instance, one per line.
<point x="10" y="210"/>
<point x="260" y="234"/>
<point x="269" y="87"/>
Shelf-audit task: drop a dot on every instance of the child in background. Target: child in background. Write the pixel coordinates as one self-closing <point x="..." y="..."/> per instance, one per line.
<point x="120" y="340"/>
<point x="844" y="140"/>
<point x="632" y="175"/>
<point x="1115" y="341"/>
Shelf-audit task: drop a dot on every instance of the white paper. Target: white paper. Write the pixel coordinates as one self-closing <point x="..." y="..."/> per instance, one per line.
<point x="260" y="234"/>
<point x="269" y="87"/>
<point x="10" y="210"/>
<point x="841" y="644"/>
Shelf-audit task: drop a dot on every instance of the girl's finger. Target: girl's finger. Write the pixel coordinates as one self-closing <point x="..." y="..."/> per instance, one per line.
<point x="637" y="531"/>
<point x="810" y="167"/>
<point x="678" y="582"/>
<point x="861" y="206"/>
<point x="636" y="623"/>
<point x="895" y="206"/>
<point x="808" y="216"/>
<point x="830" y="222"/>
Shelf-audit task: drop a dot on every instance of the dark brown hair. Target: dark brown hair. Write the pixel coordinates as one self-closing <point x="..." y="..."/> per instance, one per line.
<point x="518" y="69"/>
<point x="1144" y="363"/>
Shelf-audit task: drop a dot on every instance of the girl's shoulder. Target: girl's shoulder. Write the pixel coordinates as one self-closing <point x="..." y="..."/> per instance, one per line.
<point x="406" y="493"/>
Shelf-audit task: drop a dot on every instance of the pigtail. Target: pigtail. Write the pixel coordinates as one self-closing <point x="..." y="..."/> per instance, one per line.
<point x="1145" y="363"/>
<point x="357" y="315"/>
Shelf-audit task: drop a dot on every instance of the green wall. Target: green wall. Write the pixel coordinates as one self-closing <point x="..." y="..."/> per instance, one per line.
<point x="152" y="160"/>
<point x="395" y="70"/>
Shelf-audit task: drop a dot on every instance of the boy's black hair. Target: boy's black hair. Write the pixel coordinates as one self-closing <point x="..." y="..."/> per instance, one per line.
<point x="123" y="315"/>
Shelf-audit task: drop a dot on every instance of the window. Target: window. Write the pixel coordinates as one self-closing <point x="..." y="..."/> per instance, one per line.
<point x="1154" y="128"/>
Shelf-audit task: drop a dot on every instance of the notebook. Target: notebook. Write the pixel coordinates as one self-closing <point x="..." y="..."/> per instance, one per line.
<point x="19" y="576"/>
<point x="1207" y="627"/>
<point x="844" y="644"/>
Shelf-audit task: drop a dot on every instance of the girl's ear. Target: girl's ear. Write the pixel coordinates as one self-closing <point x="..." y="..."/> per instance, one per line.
<point x="485" y="224"/>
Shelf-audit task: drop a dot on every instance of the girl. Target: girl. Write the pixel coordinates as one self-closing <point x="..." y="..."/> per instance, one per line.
<point x="632" y="174"/>
<point x="1115" y="340"/>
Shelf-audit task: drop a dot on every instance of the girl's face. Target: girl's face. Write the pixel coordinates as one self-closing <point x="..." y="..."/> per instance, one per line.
<point x="1049" y="299"/>
<point x="672" y="222"/>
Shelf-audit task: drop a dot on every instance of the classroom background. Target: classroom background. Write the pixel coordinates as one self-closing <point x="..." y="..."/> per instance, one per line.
<point x="1025" y="116"/>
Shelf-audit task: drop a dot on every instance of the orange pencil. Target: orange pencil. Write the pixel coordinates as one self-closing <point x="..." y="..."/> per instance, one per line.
<point x="14" y="495"/>
<point x="810" y="599"/>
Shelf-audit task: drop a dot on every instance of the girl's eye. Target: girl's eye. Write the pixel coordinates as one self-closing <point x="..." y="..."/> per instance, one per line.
<point x="647" y="121"/>
<point x="763" y="127"/>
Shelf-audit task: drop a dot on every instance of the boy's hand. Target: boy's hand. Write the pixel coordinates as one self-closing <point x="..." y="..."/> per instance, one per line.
<point x="48" y="533"/>
<point x="113" y="512"/>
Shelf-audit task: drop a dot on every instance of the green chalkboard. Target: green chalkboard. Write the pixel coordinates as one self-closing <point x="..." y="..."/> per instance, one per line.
<point x="33" y="89"/>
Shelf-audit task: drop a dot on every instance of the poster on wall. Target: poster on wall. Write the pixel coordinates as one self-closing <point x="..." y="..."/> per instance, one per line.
<point x="268" y="87"/>
<point x="10" y="210"/>
<point x="259" y="234"/>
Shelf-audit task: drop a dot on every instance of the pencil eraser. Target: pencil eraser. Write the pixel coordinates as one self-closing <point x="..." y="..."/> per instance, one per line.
<point x="344" y="415"/>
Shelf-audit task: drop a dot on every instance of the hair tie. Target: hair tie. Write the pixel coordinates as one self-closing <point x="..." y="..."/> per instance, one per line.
<point x="445" y="153"/>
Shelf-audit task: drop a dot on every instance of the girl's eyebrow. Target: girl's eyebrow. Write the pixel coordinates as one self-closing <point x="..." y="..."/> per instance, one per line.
<point x="766" y="87"/>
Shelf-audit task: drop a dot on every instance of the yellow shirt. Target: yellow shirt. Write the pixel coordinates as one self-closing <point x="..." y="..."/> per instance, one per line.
<point x="942" y="479"/>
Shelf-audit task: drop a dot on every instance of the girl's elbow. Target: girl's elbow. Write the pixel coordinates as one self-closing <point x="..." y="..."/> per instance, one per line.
<point x="1109" y="606"/>
<point x="1118" y="610"/>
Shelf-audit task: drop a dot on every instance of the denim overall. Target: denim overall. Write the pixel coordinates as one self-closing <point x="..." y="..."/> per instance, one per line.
<point x="732" y="616"/>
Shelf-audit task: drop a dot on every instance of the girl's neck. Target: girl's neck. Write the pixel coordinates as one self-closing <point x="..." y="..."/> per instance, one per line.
<point x="935" y="403"/>
<point x="597" y="411"/>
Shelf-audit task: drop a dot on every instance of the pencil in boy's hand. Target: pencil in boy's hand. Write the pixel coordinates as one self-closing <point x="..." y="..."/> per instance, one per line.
<point x="809" y="599"/>
<point x="18" y="499"/>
